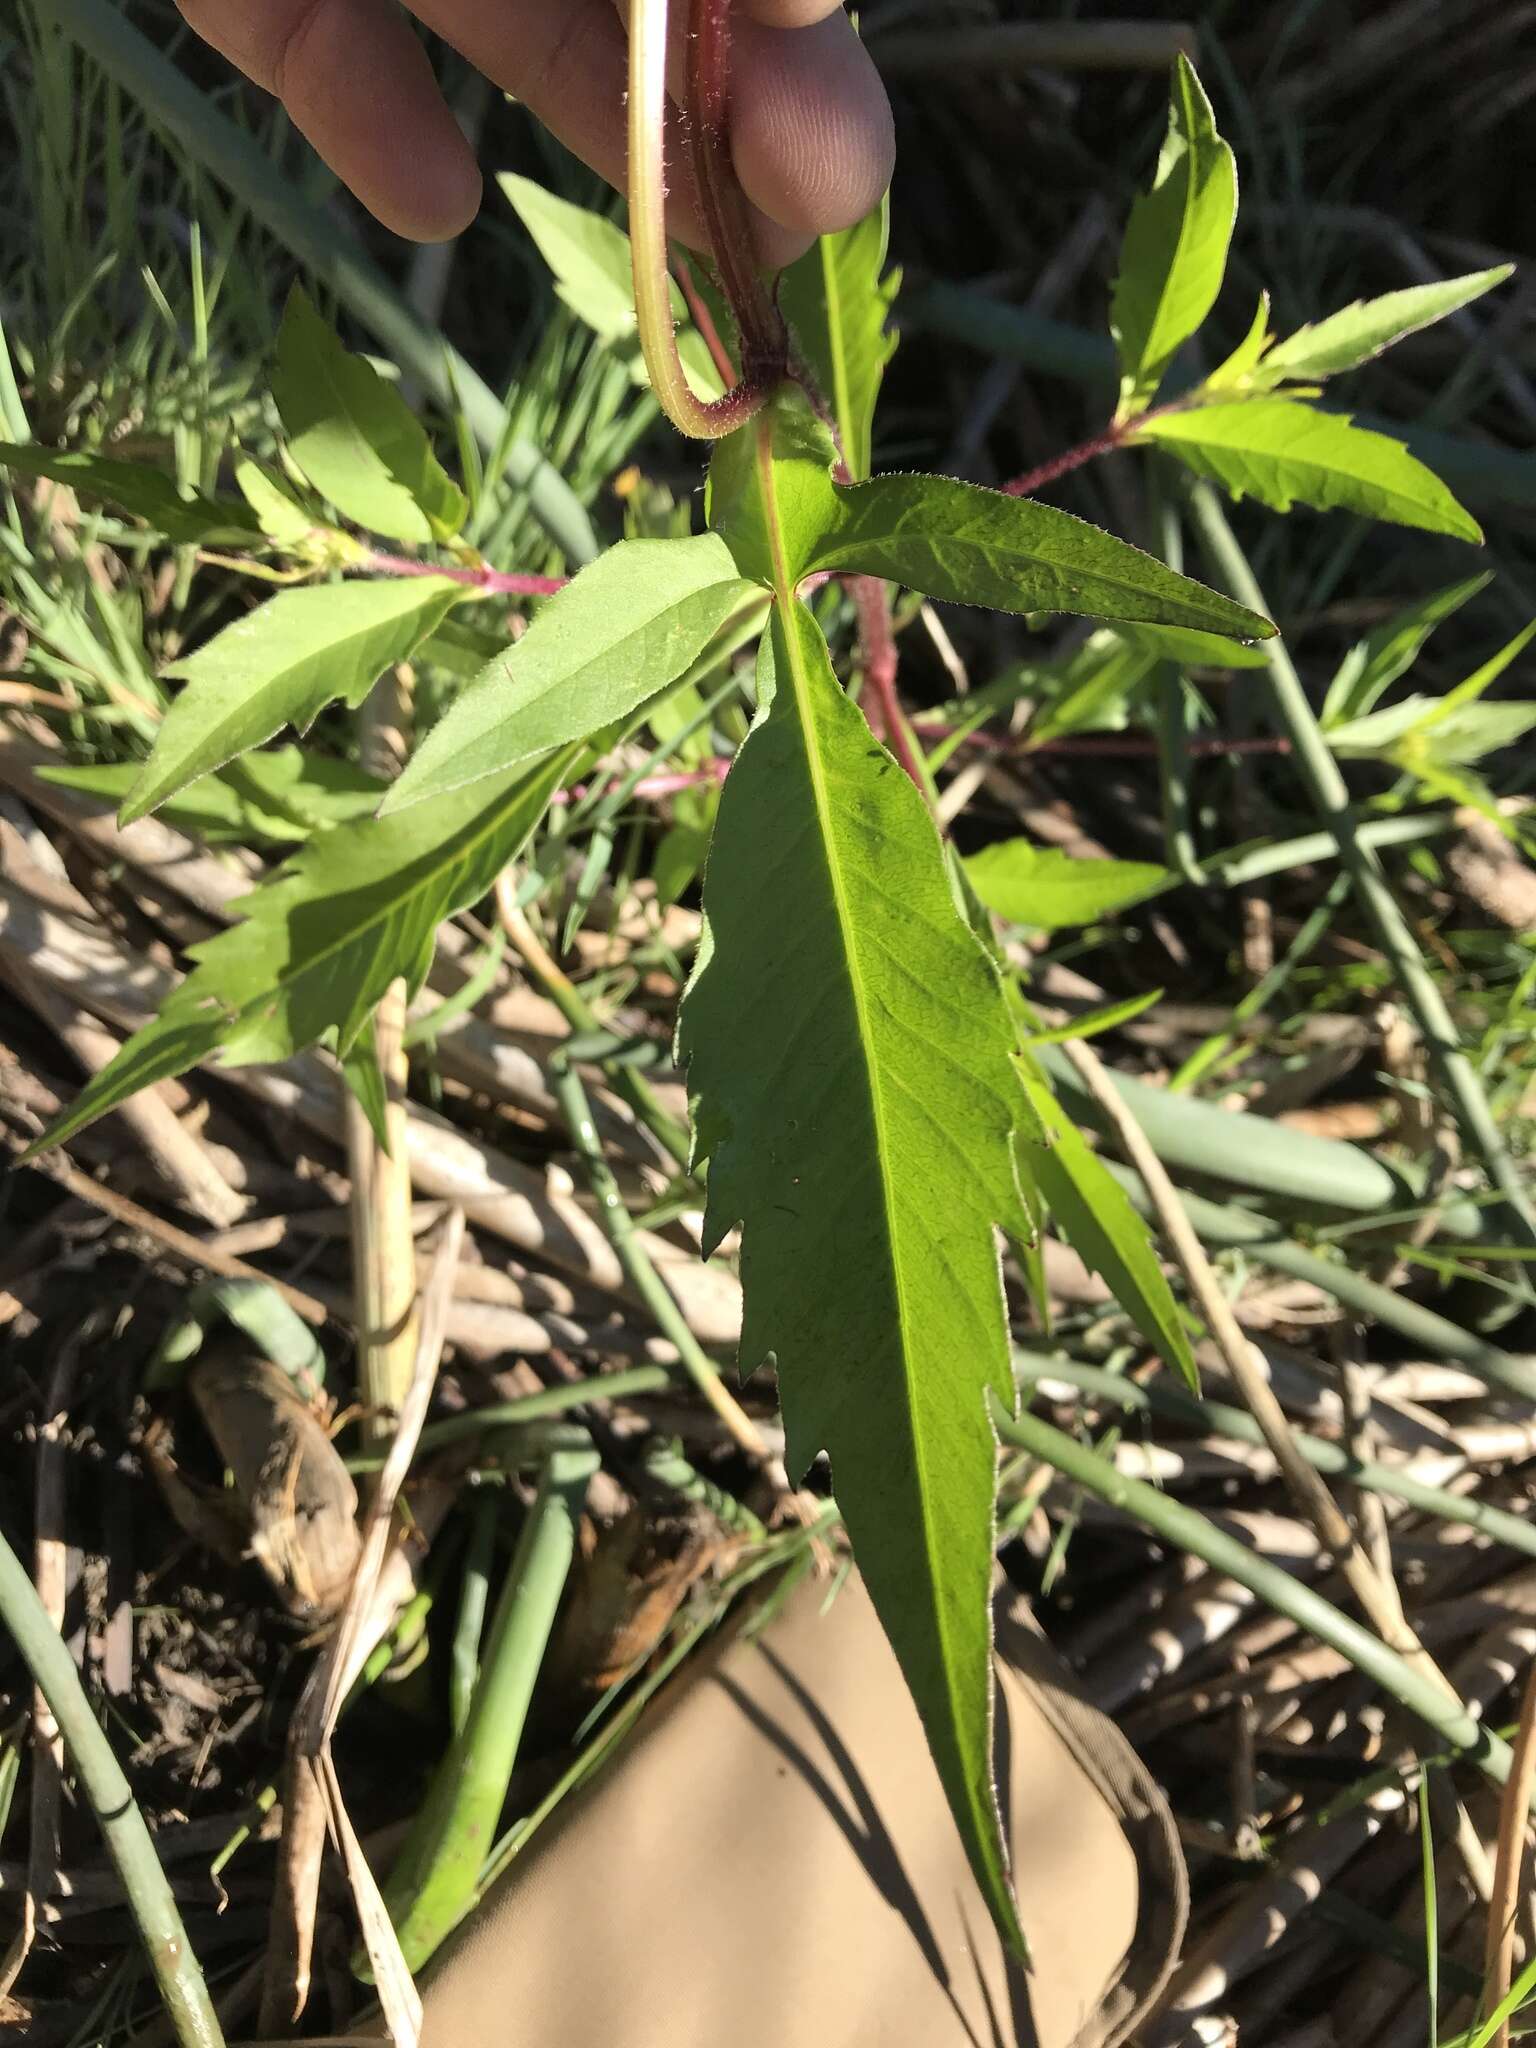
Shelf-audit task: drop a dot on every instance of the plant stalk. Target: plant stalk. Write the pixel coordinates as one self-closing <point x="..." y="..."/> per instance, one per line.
<point x="1189" y="1530"/>
<point x="700" y="420"/>
<point x="128" y="1840"/>
<point x="1325" y="780"/>
<point x="648" y="1283"/>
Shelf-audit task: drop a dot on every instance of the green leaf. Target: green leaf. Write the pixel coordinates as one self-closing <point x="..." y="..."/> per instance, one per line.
<point x="283" y="520"/>
<point x="588" y="256"/>
<point x="364" y="1077"/>
<point x="1360" y="331"/>
<point x="1284" y="453"/>
<point x="849" y="1050"/>
<point x="959" y="542"/>
<point x="1095" y="1216"/>
<point x="805" y="502"/>
<point x="1174" y="255"/>
<point x="1094" y="690"/>
<point x="1095" y="1023"/>
<point x="281" y="665"/>
<point x="187" y="518"/>
<point x="1193" y="649"/>
<point x="319" y="944"/>
<point x="279" y="797"/>
<point x="838" y="300"/>
<point x="628" y="625"/>
<point x="1375" y="663"/>
<point x="1046" y="888"/>
<point x="356" y="439"/>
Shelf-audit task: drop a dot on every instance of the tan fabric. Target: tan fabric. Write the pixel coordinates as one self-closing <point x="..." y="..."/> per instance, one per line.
<point x="772" y="1863"/>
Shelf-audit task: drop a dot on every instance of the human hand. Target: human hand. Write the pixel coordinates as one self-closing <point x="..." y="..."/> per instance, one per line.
<point x="811" y="130"/>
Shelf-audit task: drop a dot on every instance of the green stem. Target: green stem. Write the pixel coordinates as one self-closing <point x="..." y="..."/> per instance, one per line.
<point x="437" y="1876"/>
<point x="1191" y="1531"/>
<point x="648" y="1283"/>
<point x="648" y="244"/>
<point x="239" y="162"/>
<point x="128" y="1840"/>
<point x="1227" y="1226"/>
<point x="606" y="1386"/>
<point x="1205" y="1415"/>
<point x="1295" y="717"/>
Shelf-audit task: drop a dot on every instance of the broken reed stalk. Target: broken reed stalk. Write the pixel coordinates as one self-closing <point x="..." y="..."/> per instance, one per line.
<point x="123" y="1829"/>
<point x="1514" y="1813"/>
<point x="1378" y="1597"/>
<point x="383" y="1242"/>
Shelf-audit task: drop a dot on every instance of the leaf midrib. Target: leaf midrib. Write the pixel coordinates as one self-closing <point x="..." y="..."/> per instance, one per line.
<point x="800" y="683"/>
<point x="842" y="398"/>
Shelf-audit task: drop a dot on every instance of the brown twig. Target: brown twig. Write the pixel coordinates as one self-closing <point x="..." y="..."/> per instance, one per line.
<point x="1514" y="1811"/>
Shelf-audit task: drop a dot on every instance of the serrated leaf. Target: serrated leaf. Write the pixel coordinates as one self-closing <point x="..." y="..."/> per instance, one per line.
<point x="279" y="797"/>
<point x="356" y="439"/>
<point x="629" y="624"/>
<point x="1094" y="1215"/>
<point x="1174" y="255"/>
<point x="319" y="944"/>
<point x="588" y="256"/>
<point x="838" y="301"/>
<point x="1046" y="888"/>
<point x="967" y="545"/>
<point x="1375" y="663"/>
<point x="1358" y="332"/>
<point x="144" y="492"/>
<point x="1284" y="453"/>
<point x="281" y="665"/>
<point x="849" y="1050"/>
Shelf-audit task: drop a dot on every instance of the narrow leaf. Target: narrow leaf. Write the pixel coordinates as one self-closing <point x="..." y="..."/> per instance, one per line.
<point x="1375" y="663"/>
<point x="1241" y="368"/>
<point x="279" y="797"/>
<point x="1284" y="453"/>
<point x="318" y="945"/>
<point x="142" y="491"/>
<point x="283" y="520"/>
<point x="281" y="665"/>
<point x="1353" y="336"/>
<point x="355" y="438"/>
<point x="1046" y="888"/>
<point x="838" y="300"/>
<point x="588" y="256"/>
<point x="972" y="546"/>
<point x="364" y="1077"/>
<point x="849" y="1050"/>
<point x="627" y="626"/>
<point x="1095" y="1216"/>
<point x="1175" y="251"/>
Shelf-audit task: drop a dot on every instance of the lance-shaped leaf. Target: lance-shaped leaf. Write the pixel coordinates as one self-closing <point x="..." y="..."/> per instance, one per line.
<point x="355" y="438"/>
<point x="627" y="626"/>
<point x="1284" y="453"/>
<point x="280" y="796"/>
<point x="137" y="488"/>
<point x="1358" y="332"/>
<point x="318" y="945"/>
<point x="1094" y="1215"/>
<point x="972" y="546"/>
<point x="1375" y="663"/>
<point x="281" y="665"/>
<point x="588" y="256"/>
<point x="1047" y="888"/>
<point x="849" y="1049"/>
<point x="838" y="301"/>
<point x="1175" y="251"/>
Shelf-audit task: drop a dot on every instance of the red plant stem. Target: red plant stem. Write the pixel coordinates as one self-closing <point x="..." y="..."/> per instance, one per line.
<point x="494" y="582"/>
<point x="1114" y="436"/>
<point x="722" y="204"/>
<point x="877" y="650"/>
<point x="704" y="320"/>
<point x="1098" y="746"/>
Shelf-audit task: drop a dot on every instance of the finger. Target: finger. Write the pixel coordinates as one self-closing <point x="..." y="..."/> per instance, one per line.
<point x="357" y="83"/>
<point x="791" y="13"/>
<point x="811" y="128"/>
